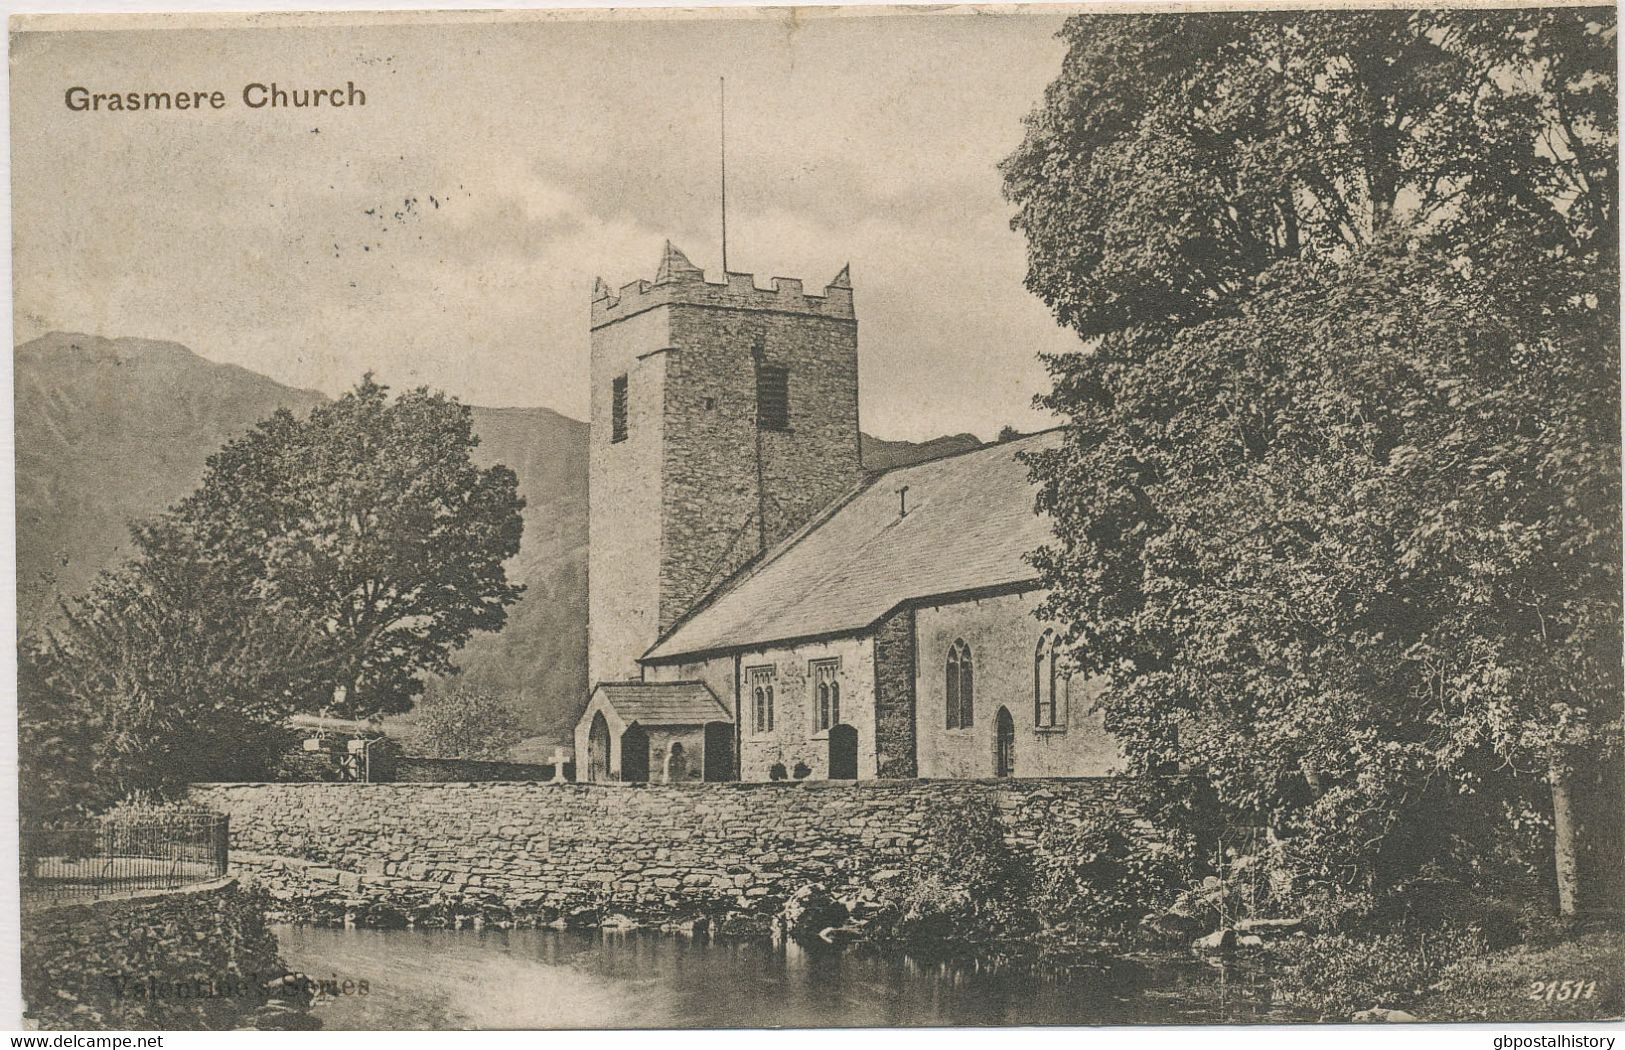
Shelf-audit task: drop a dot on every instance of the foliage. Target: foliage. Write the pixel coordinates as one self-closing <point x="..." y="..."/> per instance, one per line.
<point x="54" y="743"/>
<point x="965" y="885"/>
<point x="1240" y="884"/>
<point x="143" y="807"/>
<point x="1338" y="510"/>
<point x="1333" y="975"/>
<point x="159" y="676"/>
<point x="1179" y="156"/>
<point x="352" y="551"/>
<point x="466" y="722"/>
<point x="1502" y="986"/>
<point x="369" y="519"/>
<point x="1098" y="876"/>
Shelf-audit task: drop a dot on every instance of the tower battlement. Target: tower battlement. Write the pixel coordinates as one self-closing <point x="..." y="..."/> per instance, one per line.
<point x="724" y="417"/>
<point x="680" y="282"/>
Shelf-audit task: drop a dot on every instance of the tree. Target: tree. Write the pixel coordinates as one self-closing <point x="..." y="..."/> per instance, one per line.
<point x="467" y="722"/>
<point x="371" y="520"/>
<point x="1339" y="508"/>
<point x="161" y="675"/>
<point x="1176" y="157"/>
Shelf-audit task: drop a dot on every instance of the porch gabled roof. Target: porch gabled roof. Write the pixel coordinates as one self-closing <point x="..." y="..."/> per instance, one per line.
<point x="664" y="703"/>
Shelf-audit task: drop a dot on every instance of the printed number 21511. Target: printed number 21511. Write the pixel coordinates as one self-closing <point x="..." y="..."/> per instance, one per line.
<point x="1562" y="991"/>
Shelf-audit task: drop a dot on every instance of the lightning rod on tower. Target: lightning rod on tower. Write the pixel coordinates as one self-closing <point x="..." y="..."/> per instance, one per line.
<point x="722" y="109"/>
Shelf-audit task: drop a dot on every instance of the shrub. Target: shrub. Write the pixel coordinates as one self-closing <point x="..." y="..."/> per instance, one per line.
<point x="150" y="681"/>
<point x="1336" y="974"/>
<point x="466" y="722"/>
<point x="1100" y="877"/>
<point x="965" y="885"/>
<point x="1502" y="986"/>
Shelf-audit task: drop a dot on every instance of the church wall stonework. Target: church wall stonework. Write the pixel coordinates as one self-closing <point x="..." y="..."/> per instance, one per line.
<point x="718" y="673"/>
<point x="711" y="479"/>
<point x="623" y="525"/>
<point x="529" y="853"/>
<point x="795" y="737"/>
<point x="896" y="752"/>
<point x="690" y="768"/>
<point x="1003" y="634"/>
<point x="697" y="488"/>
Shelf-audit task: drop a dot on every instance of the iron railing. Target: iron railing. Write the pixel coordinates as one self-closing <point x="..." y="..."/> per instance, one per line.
<point x="118" y="854"/>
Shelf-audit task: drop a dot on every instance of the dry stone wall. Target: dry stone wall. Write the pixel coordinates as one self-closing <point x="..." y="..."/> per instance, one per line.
<point x="528" y="853"/>
<point x="415" y="768"/>
<point x="194" y="958"/>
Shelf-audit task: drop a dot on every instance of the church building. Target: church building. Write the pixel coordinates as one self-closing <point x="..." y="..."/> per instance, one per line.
<point x="760" y="606"/>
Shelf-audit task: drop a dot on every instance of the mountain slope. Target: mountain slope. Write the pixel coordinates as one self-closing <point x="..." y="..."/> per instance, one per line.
<point x="109" y="431"/>
<point x="879" y="454"/>
<point x="114" y="430"/>
<point x="540" y="657"/>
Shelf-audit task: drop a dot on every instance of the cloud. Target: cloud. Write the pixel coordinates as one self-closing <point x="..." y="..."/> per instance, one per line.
<point x="448" y="233"/>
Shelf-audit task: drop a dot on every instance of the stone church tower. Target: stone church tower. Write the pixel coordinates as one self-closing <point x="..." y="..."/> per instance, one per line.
<point x="724" y="417"/>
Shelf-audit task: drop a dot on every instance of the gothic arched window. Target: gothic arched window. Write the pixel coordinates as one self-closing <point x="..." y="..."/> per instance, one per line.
<point x="1050" y="687"/>
<point x="826" y="677"/>
<point x="961" y="686"/>
<point x="761" y="694"/>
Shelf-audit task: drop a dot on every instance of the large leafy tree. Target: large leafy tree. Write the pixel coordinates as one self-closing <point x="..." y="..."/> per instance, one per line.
<point x="1339" y="510"/>
<point x="164" y="673"/>
<point x="324" y="563"/>
<point x="1176" y="157"/>
<point x="371" y="520"/>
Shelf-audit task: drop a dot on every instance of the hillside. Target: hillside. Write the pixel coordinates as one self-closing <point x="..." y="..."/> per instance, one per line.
<point x="113" y="430"/>
<point x="879" y="454"/>
<point x="541" y="656"/>
<point x="109" y="431"/>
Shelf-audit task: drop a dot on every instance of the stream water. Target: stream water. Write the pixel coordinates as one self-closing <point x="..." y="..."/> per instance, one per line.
<point x="482" y="979"/>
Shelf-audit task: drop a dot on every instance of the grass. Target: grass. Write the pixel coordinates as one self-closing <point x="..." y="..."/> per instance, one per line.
<point x="1511" y="984"/>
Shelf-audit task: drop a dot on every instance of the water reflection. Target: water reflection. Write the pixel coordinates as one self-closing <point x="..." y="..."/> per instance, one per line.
<point x="643" y="979"/>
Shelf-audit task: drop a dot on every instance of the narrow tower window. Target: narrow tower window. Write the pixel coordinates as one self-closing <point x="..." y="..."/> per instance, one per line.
<point x="772" y="397"/>
<point x="617" y="409"/>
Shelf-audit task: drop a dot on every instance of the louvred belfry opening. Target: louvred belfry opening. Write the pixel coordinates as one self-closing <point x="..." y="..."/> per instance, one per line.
<point x="772" y="397"/>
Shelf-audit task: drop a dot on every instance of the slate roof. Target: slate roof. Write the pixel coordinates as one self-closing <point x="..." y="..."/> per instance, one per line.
<point x="665" y="703"/>
<point x="970" y="521"/>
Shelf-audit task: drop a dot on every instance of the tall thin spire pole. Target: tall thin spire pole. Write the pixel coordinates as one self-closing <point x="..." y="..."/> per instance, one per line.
<point x="722" y="100"/>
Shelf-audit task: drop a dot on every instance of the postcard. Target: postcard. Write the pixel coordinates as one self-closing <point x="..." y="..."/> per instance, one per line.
<point x="818" y="517"/>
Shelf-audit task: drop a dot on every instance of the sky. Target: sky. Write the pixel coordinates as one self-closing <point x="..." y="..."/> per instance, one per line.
<point x="538" y="152"/>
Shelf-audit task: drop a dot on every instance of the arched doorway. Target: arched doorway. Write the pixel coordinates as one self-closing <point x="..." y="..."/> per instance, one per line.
<point x="598" y="749"/>
<point x="719" y="751"/>
<point x="1004" y="744"/>
<point x="676" y="764"/>
<point x="635" y="754"/>
<point x="843" y="752"/>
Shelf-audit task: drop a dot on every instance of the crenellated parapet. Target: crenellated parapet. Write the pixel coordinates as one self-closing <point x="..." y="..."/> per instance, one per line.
<point x="679" y="282"/>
